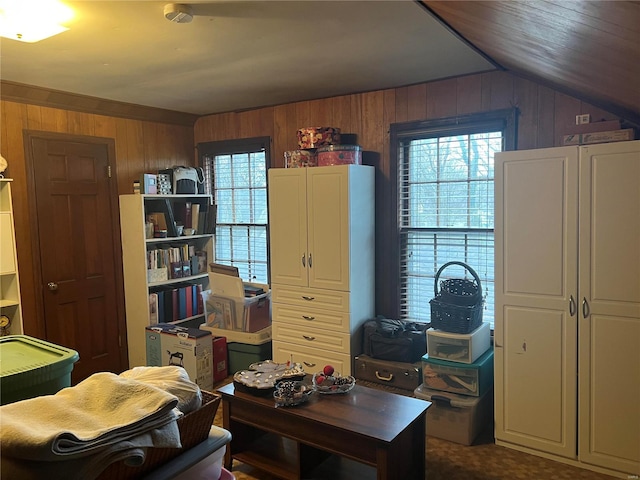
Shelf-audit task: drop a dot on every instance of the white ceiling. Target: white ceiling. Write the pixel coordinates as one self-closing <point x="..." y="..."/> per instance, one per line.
<point x="238" y="55"/>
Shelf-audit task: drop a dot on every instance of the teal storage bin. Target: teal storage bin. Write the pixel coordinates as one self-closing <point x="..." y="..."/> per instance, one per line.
<point x="30" y="367"/>
<point x="241" y="355"/>
<point x="466" y="379"/>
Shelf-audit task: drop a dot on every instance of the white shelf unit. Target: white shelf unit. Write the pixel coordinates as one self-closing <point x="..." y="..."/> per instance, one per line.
<point x="133" y="213"/>
<point x="322" y="263"/>
<point x="10" y="305"/>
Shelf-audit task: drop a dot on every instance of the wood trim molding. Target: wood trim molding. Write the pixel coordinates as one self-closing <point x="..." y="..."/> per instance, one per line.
<point x="21" y="93"/>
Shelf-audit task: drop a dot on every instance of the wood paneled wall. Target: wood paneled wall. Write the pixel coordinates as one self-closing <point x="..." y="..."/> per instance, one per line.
<point x="146" y="146"/>
<point x="545" y="116"/>
<point x="141" y="146"/>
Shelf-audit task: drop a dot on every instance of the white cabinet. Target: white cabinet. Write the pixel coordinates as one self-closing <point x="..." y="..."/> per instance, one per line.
<point x="321" y="223"/>
<point x="567" y="331"/>
<point x="10" y="309"/>
<point x="139" y="283"/>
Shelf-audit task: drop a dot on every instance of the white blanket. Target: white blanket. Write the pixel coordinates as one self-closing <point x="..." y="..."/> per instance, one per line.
<point x="79" y="421"/>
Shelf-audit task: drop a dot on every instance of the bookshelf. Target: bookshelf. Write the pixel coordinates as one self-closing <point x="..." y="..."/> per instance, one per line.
<point x="163" y="276"/>
<point x="10" y="306"/>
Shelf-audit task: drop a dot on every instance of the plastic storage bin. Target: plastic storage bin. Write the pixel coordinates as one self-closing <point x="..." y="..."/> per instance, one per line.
<point x="241" y="355"/>
<point x="467" y="379"/>
<point x="457" y="418"/>
<point x="459" y="347"/>
<point x="30" y="367"/>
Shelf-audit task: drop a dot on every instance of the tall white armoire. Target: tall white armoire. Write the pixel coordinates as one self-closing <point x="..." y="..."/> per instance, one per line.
<point x="321" y="223"/>
<point x="567" y="328"/>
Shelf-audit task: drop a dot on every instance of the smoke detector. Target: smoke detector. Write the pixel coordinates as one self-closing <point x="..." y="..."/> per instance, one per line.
<point x="178" y="13"/>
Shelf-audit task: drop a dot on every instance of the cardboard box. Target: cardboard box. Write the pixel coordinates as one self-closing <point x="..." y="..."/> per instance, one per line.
<point x="599" y="137"/>
<point x="220" y="370"/>
<point x="459" y="347"/>
<point x="456" y="418"/>
<point x="190" y="348"/>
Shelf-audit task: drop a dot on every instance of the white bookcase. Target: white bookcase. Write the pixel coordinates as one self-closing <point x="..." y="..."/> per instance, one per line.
<point x="138" y="283"/>
<point x="10" y="309"/>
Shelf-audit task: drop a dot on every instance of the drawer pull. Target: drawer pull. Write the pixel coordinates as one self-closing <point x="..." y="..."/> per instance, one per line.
<point x="308" y="318"/>
<point x="311" y="339"/>
<point x="308" y="298"/>
<point x="385" y="379"/>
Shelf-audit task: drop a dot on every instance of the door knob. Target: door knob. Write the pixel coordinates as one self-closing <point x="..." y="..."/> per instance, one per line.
<point x="52" y="286"/>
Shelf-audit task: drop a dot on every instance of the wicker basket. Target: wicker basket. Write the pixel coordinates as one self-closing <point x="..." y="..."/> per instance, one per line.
<point x="194" y="428"/>
<point x="457" y="307"/>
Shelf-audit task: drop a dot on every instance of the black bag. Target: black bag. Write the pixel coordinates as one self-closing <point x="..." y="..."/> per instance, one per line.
<point x="396" y="340"/>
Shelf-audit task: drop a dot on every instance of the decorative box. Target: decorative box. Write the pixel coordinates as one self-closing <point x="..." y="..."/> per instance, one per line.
<point x="300" y="158"/>
<point x="339" y="155"/>
<point x="314" y="137"/>
<point x="459" y="347"/>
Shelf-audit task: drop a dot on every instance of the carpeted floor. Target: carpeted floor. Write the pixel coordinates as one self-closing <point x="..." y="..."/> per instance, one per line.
<point x="450" y="461"/>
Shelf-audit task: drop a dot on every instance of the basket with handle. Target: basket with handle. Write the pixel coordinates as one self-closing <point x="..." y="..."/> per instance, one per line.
<point x="457" y="307"/>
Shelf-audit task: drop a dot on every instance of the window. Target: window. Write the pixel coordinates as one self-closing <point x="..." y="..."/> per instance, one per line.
<point x="445" y="203"/>
<point x="236" y="174"/>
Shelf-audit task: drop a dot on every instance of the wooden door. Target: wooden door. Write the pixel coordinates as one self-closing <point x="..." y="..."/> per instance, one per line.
<point x="75" y="201"/>
<point x="536" y="299"/>
<point x="328" y="227"/>
<point x="288" y="226"/>
<point x="609" y="313"/>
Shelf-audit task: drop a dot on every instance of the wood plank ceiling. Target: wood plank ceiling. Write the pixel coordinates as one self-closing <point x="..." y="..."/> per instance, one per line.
<point x="589" y="49"/>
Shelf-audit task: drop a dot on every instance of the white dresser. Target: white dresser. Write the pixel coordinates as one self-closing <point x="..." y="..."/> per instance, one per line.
<point x="321" y="223"/>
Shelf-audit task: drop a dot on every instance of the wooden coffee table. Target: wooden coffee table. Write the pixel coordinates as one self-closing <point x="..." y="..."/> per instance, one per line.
<point x="373" y="427"/>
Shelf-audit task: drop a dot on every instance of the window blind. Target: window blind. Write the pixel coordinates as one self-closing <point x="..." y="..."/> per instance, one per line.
<point x="237" y="173"/>
<point x="445" y="207"/>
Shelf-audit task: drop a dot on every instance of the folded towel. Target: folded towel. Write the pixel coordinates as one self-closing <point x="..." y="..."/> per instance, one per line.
<point x="173" y="379"/>
<point x="99" y="412"/>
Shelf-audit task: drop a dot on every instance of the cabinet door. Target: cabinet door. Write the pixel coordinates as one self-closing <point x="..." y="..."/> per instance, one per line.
<point x="328" y="227"/>
<point x="609" y="324"/>
<point x="288" y="226"/>
<point x="536" y="287"/>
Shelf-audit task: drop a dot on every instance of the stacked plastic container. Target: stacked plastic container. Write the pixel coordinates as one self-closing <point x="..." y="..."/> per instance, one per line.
<point x="457" y="370"/>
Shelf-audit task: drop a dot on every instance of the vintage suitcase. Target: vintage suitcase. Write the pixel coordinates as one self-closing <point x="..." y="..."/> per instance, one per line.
<point x="406" y="376"/>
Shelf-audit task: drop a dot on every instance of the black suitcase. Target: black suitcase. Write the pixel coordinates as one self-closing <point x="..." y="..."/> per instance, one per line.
<point x="406" y="376"/>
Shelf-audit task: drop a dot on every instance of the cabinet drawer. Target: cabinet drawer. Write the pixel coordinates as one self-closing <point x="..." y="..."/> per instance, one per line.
<point x="315" y="297"/>
<point x="313" y="359"/>
<point x="306" y="336"/>
<point x="311" y="317"/>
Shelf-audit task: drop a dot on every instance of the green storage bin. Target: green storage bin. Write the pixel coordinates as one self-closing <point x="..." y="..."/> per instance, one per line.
<point x="241" y="355"/>
<point x="463" y="378"/>
<point x="30" y="367"/>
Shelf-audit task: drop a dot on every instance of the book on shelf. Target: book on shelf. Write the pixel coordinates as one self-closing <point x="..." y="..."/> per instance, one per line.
<point x="153" y="309"/>
<point x="195" y="218"/>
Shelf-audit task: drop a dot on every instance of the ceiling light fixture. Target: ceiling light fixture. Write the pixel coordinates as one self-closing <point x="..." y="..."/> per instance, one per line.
<point x="33" y="20"/>
<point x="178" y="12"/>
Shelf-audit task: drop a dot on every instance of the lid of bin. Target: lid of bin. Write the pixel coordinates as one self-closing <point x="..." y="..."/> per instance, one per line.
<point x="21" y="353"/>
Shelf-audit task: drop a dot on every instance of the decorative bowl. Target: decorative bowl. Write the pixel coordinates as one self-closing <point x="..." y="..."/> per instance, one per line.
<point x="333" y="383"/>
<point x="290" y="393"/>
